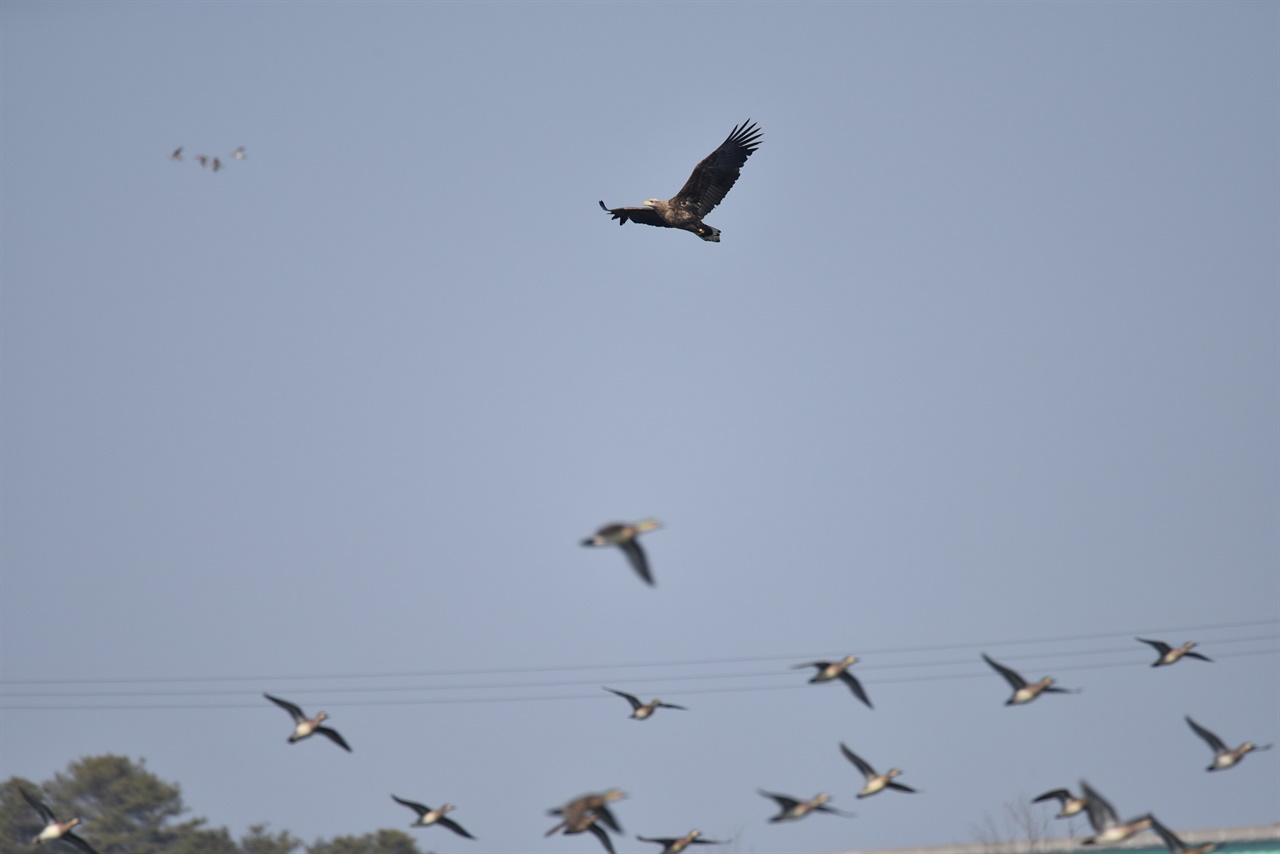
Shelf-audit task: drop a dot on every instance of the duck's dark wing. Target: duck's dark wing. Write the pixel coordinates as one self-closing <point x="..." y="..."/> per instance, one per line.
<point x="599" y="833"/>
<point x="606" y="815"/>
<point x="717" y="173"/>
<point x="1061" y="794"/>
<point x="416" y="807"/>
<point x="46" y="814"/>
<point x="821" y="665"/>
<point x="673" y="706"/>
<point x="639" y="562"/>
<point x="867" y="770"/>
<point x="634" y="701"/>
<point x="1161" y="646"/>
<point x="783" y="801"/>
<point x="333" y="736"/>
<point x="294" y="711"/>
<point x="855" y="686"/>
<point x="78" y="842"/>
<point x="1168" y="837"/>
<point x="1011" y="676"/>
<point x="454" y="826"/>
<point x="1054" y="689"/>
<point x="833" y="810"/>
<point x="664" y="841"/>
<point x="1210" y="738"/>
<point x="1196" y="655"/>
<point x="900" y="787"/>
<point x="642" y="215"/>
<point x="1101" y="814"/>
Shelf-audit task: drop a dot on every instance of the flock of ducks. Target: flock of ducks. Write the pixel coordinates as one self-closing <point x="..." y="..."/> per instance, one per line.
<point x="205" y="160"/>
<point x="591" y="813"/>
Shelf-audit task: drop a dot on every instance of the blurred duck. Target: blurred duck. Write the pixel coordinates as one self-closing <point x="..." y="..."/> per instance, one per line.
<point x="239" y="154"/>
<point x="1176" y="845"/>
<point x="176" y="157"/>
<point x="585" y="814"/>
<point x="793" y="810"/>
<point x="1223" y="756"/>
<point x="1107" y="827"/>
<point x="1023" y="692"/>
<point x="1170" y="655"/>
<point x="875" y="782"/>
<point x="1069" y="805"/>
<point x="593" y="804"/>
<point x="428" y="816"/>
<point x="305" y="727"/>
<point x="830" y="670"/>
<point x="674" y="845"/>
<point x="54" y="829"/>
<point x="623" y="535"/>
<point x="640" y="710"/>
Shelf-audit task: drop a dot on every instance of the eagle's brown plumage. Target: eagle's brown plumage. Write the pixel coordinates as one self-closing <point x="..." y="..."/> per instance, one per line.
<point x="706" y="188"/>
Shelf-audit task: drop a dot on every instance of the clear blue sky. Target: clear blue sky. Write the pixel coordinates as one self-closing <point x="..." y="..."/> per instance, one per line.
<point x="988" y="355"/>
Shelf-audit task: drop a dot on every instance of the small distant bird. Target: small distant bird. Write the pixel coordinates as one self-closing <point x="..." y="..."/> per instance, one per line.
<point x="794" y="810"/>
<point x="640" y="710"/>
<point x="202" y="159"/>
<point x="707" y="186"/>
<point x="428" y="816"/>
<point x="1176" y="845"/>
<point x="238" y="154"/>
<point x="674" y="844"/>
<point x="1169" y="655"/>
<point x="177" y="155"/>
<point x="1070" y="805"/>
<point x="623" y="535"/>
<point x="217" y="164"/>
<point x="829" y="670"/>
<point x="875" y="782"/>
<point x="54" y="829"/>
<point x="1107" y="827"/>
<point x="306" y="727"/>
<point x="1023" y="692"/>
<point x="1223" y="756"/>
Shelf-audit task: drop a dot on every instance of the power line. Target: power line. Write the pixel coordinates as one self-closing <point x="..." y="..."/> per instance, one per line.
<point x="697" y="677"/>
<point x="987" y="674"/>
<point x="863" y="651"/>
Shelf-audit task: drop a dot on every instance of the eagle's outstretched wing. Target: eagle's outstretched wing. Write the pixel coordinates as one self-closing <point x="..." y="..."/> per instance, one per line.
<point x="716" y="174"/>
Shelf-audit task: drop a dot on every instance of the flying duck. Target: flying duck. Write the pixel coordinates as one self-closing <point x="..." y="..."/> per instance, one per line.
<point x="428" y="816"/>
<point x="792" y="810"/>
<point x="674" y="845"/>
<point x="1169" y="655"/>
<point x="1070" y="805"/>
<point x="875" y="782"/>
<point x="623" y="535"/>
<point x="640" y="710"/>
<point x="1107" y="827"/>
<point x="54" y="829"/>
<point x="1223" y="756"/>
<point x="304" y="727"/>
<point x="1022" y="691"/>
<point x="829" y="670"/>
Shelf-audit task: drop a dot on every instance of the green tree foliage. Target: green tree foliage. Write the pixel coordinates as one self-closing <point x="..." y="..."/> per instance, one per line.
<point x="125" y="809"/>
<point x="379" y="842"/>
<point x="258" y="841"/>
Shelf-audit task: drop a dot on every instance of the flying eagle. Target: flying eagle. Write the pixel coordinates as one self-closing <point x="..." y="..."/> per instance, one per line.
<point x="706" y="188"/>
